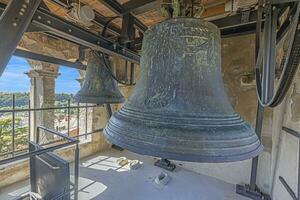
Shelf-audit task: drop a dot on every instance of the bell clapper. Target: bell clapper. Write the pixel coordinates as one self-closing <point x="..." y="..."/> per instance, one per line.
<point x="165" y="164"/>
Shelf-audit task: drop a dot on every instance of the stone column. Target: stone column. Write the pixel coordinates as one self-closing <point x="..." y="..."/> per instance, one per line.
<point x="42" y="95"/>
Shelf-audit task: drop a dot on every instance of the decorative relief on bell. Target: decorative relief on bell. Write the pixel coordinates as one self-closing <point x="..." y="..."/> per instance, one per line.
<point x="179" y="108"/>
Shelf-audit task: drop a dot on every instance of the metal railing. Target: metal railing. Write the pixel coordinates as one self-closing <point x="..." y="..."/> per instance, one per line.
<point x="68" y="108"/>
<point x="69" y="141"/>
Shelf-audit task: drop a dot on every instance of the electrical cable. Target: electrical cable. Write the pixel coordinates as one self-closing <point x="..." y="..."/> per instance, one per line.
<point x="108" y="68"/>
<point x="107" y="65"/>
<point x="289" y="65"/>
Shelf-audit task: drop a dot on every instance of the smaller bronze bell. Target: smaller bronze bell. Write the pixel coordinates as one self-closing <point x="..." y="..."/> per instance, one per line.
<point x="98" y="87"/>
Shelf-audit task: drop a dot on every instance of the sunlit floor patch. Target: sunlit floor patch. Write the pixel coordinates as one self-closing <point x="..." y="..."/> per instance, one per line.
<point x="101" y="178"/>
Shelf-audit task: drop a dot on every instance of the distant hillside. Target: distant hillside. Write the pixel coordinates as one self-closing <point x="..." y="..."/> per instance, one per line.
<point x="23" y="98"/>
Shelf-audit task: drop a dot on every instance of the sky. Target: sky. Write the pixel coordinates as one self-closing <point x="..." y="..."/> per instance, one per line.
<point x="13" y="78"/>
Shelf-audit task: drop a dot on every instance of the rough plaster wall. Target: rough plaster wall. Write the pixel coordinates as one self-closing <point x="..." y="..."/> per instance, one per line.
<point x="238" y="60"/>
<point x="286" y="160"/>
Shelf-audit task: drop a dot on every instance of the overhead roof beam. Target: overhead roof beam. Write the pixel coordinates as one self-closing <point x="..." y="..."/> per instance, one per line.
<point x="131" y="5"/>
<point x="119" y="10"/>
<point x="48" y="59"/>
<point x="99" y="20"/>
<point x="235" y="24"/>
<point x="14" y="21"/>
<point x="63" y="29"/>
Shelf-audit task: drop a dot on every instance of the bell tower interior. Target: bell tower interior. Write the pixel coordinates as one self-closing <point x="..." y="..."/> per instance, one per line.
<point x="149" y="99"/>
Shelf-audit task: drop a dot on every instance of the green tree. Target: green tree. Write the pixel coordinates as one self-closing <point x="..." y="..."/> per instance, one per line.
<point x="21" y="135"/>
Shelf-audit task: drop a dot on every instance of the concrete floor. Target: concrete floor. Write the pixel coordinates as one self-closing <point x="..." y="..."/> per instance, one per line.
<point x="102" y="179"/>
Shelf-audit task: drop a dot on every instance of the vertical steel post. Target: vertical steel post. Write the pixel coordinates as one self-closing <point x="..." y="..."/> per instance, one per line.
<point x="86" y="119"/>
<point x="126" y="71"/>
<point x="298" y="186"/>
<point x="69" y="105"/>
<point x="258" y="129"/>
<point x="76" y="173"/>
<point x="29" y="120"/>
<point x="78" y="109"/>
<point x="13" y="123"/>
<point x="37" y="137"/>
<point x="131" y="73"/>
<point x="260" y="109"/>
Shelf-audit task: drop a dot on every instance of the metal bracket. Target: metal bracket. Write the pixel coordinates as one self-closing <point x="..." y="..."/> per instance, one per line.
<point x="127" y="33"/>
<point x="252" y="194"/>
<point x="165" y="164"/>
<point x="13" y="23"/>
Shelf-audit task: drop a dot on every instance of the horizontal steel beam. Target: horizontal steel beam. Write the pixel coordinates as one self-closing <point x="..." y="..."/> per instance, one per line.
<point x="48" y="59"/>
<point x="63" y="29"/>
<point x="282" y="1"/>
<point x="234" y="24"/>
<point x="119" y="10"/>
<point x="99" y="20"/>
<point x="131" y="5"/>
<point x="14" y="21"/>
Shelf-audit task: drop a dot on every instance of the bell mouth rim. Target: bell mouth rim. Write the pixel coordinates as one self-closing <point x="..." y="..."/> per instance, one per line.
<point x="188" y="157"/>
<point x="98" y="100"/>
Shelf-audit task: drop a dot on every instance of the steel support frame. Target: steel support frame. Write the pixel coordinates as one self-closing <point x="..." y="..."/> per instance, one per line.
<point x="14" y="21"/>
<point x="48" y="59"/>
<point x="251" y="190"/>
<point x="61" y="28"/>
<point x="235" y="25"/>
<point x="131" y="5"/>
<point x="128" y="34"/>
<point x="119" y="10"/>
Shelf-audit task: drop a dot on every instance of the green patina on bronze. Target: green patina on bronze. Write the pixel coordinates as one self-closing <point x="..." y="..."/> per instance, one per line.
<point x="179" y="108"/>
<point x="98" y="87"/>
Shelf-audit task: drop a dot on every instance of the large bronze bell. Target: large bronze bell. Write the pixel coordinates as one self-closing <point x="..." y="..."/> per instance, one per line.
<point x="98" y="87"/>
<point x="179" y="109"/>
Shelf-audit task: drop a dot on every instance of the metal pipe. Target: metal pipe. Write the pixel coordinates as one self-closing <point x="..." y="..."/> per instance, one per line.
<point x="287" y="187"/>
<point x="13" y="122"/>
<point x="29" y="120"/>
<point x="69" y="105"/>
<point x="260" y="109"/>
<point x="57" y="133"/>
<point x="291" y="131"/>
<point x="78" y="119"/>
<point x="298" y="181"/>
<point x="39" y="152"/>
<point x="76" y="173"/>
<point x="258" y="129"/>
<point x="53" y="142"/>
<point x="86" y="120"/>
<point x="296" y="134"/>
